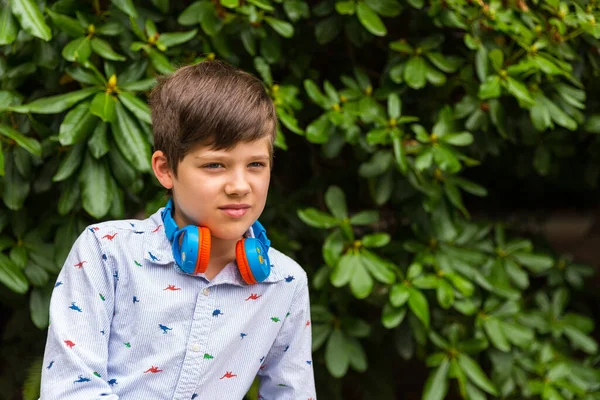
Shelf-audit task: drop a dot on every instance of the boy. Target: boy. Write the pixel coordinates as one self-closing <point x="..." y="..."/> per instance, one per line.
<point x="130" y="320"/>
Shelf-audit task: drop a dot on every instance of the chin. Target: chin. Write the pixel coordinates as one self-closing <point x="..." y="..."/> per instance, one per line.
<point x="229" y="234"/>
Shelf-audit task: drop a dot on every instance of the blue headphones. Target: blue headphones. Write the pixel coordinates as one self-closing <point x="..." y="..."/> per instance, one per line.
<point x="191" y="248"/>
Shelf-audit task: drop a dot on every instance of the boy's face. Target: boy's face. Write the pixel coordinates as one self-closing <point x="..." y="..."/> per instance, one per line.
<point x="224" y="190"/>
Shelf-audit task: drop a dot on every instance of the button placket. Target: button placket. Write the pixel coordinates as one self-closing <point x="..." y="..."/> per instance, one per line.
<point x="192" y="368"/>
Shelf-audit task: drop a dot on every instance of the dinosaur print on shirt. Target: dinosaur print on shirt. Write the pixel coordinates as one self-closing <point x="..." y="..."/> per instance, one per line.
<point x="228" y="375"/>
<point x="82" y="379"/>
<point x="165" y="328"/>
<point x="73" y="306"/>
<point x="80" y="264"/>
<point x="253" y="296"/>
<point x="172" y="288"/>
<point x="110" y="237"/>
<point x="153" y="370"/>
<point x="69" y="344"/>
<point x="216" y="313"/>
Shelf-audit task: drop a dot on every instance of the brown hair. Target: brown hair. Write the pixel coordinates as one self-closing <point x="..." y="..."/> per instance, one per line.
<point x="209" y="103"/>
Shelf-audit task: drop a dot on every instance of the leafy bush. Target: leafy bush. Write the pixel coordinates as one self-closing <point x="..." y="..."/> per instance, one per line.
<point x="385" y="106"/>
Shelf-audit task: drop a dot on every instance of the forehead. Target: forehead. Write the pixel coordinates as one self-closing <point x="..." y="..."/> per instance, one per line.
<point x="256" y="148"/>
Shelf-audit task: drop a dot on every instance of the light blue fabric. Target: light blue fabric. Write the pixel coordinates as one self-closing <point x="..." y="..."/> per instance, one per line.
<point x="126" y="324"/>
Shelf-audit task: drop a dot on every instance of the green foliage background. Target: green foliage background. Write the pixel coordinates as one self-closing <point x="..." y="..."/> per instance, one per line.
<point x="385" y="108"/>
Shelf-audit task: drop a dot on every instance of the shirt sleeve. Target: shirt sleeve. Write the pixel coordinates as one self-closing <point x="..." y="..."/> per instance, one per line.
<point x="81" y="309"/>
<point x="287" y="372"/>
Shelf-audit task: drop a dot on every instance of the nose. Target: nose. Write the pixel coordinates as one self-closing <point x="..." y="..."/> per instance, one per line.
<point x="238" y="184"/>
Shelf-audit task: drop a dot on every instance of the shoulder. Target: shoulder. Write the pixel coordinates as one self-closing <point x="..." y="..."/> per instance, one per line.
<point x="121" y="231"/>
<point x="288" y="269"/>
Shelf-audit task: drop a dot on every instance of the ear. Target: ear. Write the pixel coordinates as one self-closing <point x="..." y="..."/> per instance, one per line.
<point x="162" y="170"/>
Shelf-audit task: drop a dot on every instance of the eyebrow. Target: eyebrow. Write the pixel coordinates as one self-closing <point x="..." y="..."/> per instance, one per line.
<point x="223" y="157"/>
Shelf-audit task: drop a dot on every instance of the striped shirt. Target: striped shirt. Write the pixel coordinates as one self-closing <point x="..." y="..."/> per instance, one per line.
<point x="126" y="323"/>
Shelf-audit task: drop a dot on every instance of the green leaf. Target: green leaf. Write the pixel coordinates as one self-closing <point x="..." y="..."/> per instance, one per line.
<point x="77" y="50"/>
<point x="170" y="39"/>
<point x="39" y="307"/>
<point x="358" y="359"/>
<point x="399" y="294"/>
<point x="77" y="124"/>
<point x="445" y="294"/>
<point x="337" y="357"/>
<point x="345" y="7"/>
<point x="332" y="247"/>
<point x="160" y="62"/>
<point x="580" y="340"/>
<point x="111" y="28"/>
<point x="376" y="239"/>
<point x="344" y="270"/>
<point x="370" y="20"/>
<point x="493" y="329"/>
<point x="8" y="26"/>
<point x="31" y="19"/>
<point x="519" y="90"/>
<point x="284" y="28"/>
<point x="476" y="374"/>
<point x="191" y="15"/>
<point x="386" y="8"/>
<point x="446" y="64"/>
<point x="436" y="386"/>
<point x="377" y="267"/>
<point x="31" y="145"/>
<point x="361" y="283"/>
<point x="230" y="3"/>
<point x="265" y="5"/>
<point x="54" y="104"/>
<point x="446" y="159"/>
<point x="518" y="335"/>
<point x="137" y="107"/>
<point x="458" y="139"/>
<point x="364" y="218"/>
<point x="98" y="143"/>
<point x="400" y="154"/>
<point x="95" y="187"/>
<point x="481" y="63"/>
<point x="316" y="218"/>
<point x="319" y="130"/>
<point x="126" y="6"/>
<point x="535" y="262"/>
<point x="391" y="317"/>
<point x="336" y="202"/>
<point x="105" y="50"/>
<point x="415" y="72"/>
<point x="69" y="163"/>
<point x="497" y="58"/>
<point x="131" y="140"/>
<point x="490" y="88"/>
<point x="394" y="106"/>
<point x="327" y="29"/>
<point x="15" y="188"/>
<point x="139" y="86"/>
<point x="103" y="106"/>
<point x="12" y="276"/>
<point x="419" y="306"/>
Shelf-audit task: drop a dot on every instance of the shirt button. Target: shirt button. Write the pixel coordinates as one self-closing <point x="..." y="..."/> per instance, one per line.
<point x="196" y="348"/>
<point x="206" y="291"/>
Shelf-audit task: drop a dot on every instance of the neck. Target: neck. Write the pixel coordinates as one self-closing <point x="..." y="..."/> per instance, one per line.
<point x="222" y="252"/>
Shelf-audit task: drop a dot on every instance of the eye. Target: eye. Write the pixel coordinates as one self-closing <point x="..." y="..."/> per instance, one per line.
<point x="212" y="165"/>
<point x="257" y="164"/>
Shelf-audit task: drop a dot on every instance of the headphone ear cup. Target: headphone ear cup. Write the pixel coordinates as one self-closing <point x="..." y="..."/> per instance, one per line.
<point x="253" y="260"/>
<point x="242" y="262"/>
<point x="203" y="249"/>
<point x="191" y="249"/>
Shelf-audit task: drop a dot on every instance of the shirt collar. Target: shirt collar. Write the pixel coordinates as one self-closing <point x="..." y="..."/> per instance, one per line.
<point x="158" y="251"/>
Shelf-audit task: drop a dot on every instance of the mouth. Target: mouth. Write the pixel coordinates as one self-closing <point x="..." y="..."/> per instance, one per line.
<point x="235" y="210"/>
